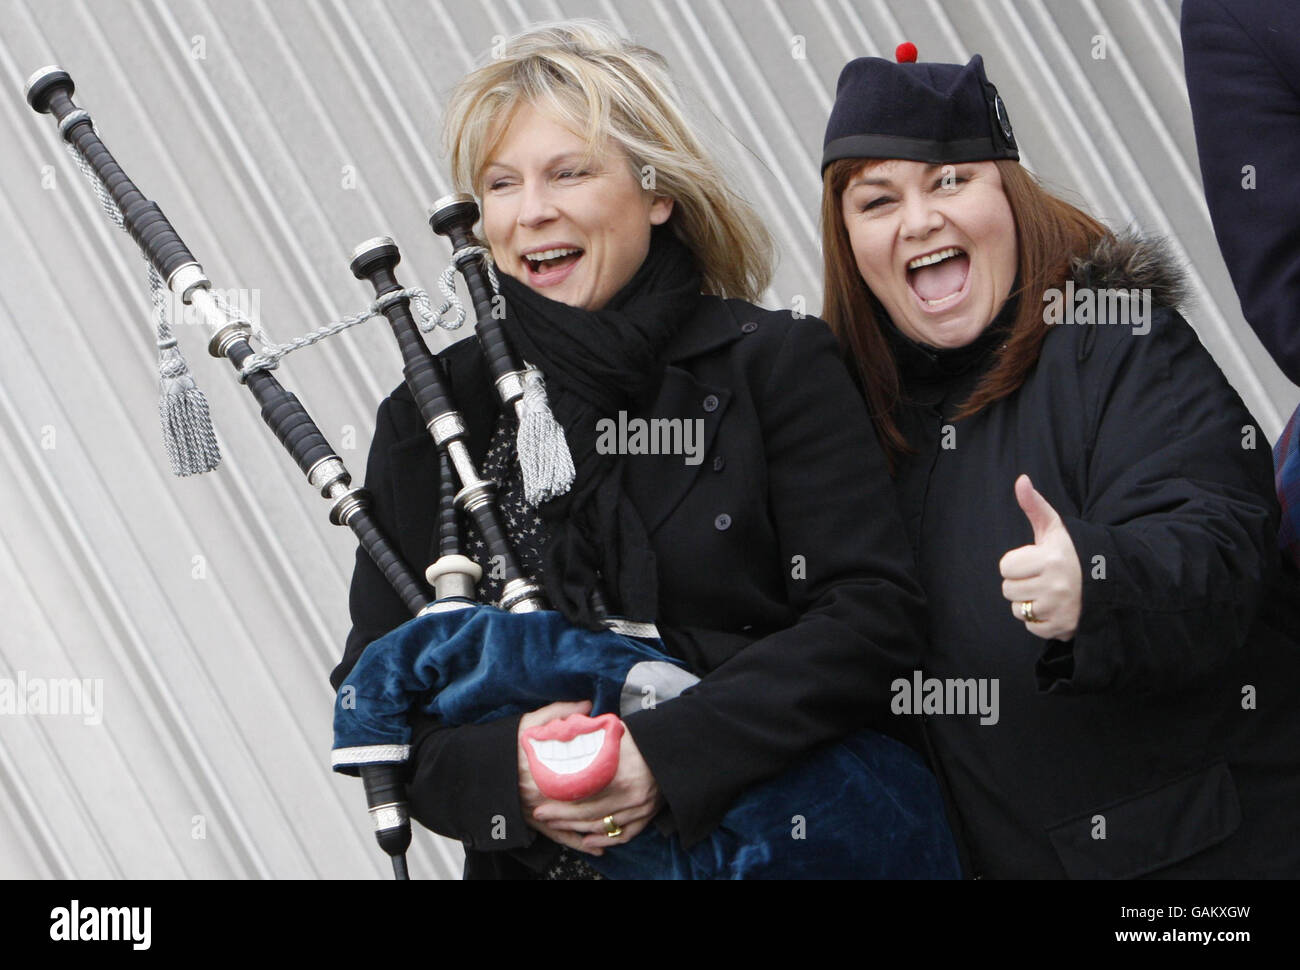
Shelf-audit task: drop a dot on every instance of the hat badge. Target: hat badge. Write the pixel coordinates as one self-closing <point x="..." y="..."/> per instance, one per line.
<point x="1001" y="110"/>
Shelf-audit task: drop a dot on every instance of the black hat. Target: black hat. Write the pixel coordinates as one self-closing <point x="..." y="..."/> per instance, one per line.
<point x="937" y="113"/>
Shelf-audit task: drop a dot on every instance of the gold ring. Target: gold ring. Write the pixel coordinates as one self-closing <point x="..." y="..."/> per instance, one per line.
<point x="612" y="828"/>
<point x="1027" y="612"/>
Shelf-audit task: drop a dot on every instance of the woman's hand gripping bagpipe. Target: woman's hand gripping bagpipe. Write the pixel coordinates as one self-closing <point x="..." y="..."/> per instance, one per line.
<point x="50" y="90"/>
<point x="610" y="806"/>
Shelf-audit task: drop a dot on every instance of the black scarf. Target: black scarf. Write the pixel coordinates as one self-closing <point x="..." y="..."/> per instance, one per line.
<point x="597" y="363"/>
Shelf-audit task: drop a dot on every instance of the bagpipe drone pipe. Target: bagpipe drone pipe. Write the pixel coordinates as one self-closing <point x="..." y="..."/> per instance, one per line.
<point x="867" y="806"/>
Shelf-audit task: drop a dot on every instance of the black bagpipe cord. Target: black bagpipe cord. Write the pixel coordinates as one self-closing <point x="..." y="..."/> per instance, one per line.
<point x="597" y="363"/>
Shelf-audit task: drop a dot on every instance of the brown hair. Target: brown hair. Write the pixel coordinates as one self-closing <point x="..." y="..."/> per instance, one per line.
<point x="1049" y="233"/>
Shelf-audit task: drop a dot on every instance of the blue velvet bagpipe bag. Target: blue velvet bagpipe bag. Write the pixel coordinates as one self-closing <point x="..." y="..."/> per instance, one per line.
<point x="865" y="807"/>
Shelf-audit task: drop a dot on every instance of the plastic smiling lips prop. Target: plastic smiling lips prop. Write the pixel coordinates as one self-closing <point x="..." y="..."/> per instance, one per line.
<point x="575" y="756"/>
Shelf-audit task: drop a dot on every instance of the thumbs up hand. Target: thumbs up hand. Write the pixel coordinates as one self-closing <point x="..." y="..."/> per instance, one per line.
<point x="1046" y="575"/>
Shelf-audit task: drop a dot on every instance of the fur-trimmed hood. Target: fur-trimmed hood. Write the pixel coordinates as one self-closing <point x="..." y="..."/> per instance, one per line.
<point x="1128" y="261"/>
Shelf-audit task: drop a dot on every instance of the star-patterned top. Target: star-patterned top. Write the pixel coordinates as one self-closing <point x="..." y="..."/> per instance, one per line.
<point x="523" y="524"/>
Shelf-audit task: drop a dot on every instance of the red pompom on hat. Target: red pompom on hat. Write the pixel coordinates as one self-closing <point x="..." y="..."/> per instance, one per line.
<point x="905" y="53"/>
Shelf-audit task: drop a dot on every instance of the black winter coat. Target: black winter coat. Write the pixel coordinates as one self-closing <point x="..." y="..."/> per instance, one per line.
<point x="785" y="580"/>
<point x="1170" y="724"/>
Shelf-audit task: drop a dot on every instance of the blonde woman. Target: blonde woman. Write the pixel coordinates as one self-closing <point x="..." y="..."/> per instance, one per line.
<point x="767" y="550"/>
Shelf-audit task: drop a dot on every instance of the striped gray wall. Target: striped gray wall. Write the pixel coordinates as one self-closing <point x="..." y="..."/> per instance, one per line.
<point x="276" y="136"/>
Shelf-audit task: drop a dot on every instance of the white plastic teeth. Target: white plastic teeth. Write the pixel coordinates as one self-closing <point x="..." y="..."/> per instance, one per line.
<point x="933" y="258"/>
<point x="567" y="757"/>
<point x="549" y="254"/>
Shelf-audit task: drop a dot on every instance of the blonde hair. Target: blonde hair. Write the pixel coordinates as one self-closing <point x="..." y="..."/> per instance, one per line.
<point x="601" y="85"/>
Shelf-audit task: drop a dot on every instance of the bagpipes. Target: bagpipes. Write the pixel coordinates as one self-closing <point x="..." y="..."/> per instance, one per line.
<point x="863" y="807"/>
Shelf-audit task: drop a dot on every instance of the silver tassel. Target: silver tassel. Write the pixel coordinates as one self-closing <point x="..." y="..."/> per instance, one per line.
<point x="182" y="409"/>
<point x="544" y="456"/>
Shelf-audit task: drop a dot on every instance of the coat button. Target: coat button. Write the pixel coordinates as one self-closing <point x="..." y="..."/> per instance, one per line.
<point x="719" y="463"/>
<point x="711" y="403"/>
<point x="749" y="327"/>
<point x="722" y="523"/>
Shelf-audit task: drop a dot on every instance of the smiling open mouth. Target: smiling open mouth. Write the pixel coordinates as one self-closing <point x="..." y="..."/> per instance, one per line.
<point x="574" y="756"/>
<point x="939" y="278"/>
<point x="549" y="262"/>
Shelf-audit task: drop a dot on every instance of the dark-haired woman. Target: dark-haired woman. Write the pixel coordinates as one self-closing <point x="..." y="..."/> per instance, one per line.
<point x="1090" y="503"/>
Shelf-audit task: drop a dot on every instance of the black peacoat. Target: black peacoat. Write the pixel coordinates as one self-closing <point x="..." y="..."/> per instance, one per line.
<point x="785" y="580"/>
<point x="1164" y="738"/>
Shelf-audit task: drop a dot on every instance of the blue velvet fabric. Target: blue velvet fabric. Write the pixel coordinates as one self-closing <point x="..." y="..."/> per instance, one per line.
<point x="481" y="663"/>
<point x="865" y="807"/>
